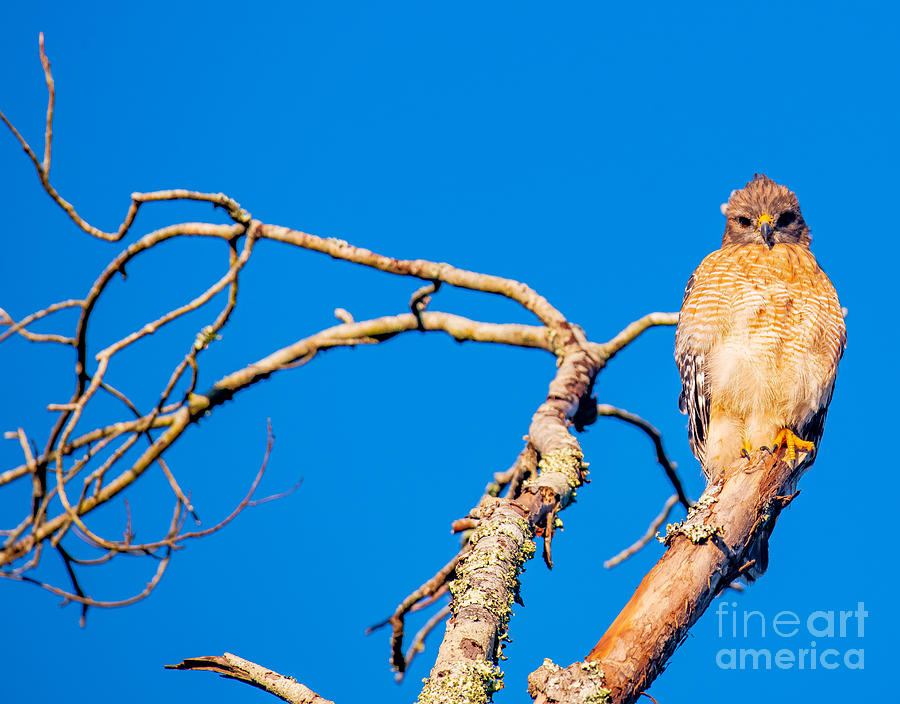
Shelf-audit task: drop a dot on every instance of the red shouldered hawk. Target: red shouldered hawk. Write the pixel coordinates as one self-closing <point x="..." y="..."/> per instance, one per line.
<point x="760" y="335"/>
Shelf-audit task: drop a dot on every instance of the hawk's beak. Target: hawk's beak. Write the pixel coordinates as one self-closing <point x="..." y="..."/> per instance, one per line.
<point x="764" y="226"/>
<point x="766" y="231"/>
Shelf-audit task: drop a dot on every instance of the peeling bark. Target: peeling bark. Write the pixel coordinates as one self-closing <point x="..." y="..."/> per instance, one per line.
<point x="725" y="537"/>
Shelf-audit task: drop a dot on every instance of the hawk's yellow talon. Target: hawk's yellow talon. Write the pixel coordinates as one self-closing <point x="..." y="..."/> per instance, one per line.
<point x="746" y="450"/>
<point x="793" y="443"/>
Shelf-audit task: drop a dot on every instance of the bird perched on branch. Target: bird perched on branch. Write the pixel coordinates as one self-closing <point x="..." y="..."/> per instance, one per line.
<point x="760" y="335"/>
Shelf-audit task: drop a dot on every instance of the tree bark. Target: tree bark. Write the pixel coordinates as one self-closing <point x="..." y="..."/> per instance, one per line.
<point x="725" y="537"/>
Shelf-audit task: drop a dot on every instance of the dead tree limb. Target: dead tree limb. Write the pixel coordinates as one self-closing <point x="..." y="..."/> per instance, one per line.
<point x="647" y="537"/>
<point x="488" y="576"/>
<point x="235" y="668"/>
<point x="725" y="536"/>
<point x="669" y="467"/>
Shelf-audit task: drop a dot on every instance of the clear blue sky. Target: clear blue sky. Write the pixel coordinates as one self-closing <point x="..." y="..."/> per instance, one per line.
<point x="580" y="148"/>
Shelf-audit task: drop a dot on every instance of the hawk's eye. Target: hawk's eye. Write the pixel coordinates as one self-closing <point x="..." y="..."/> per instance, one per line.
<point x="743" y="222"/>
<point x="785" y="219"/>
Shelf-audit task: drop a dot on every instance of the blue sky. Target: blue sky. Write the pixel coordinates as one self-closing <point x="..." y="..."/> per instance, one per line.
<point x="581" y="148"/>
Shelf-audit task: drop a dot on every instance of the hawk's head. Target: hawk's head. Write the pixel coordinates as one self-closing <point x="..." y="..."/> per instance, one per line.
<point x="764" y="212"/>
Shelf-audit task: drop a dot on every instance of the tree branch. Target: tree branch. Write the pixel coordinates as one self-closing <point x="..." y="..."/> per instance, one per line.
<point x="669" y="467"/>
<point x="235" y="668"/>
<point x="652" y="529"/>
<point x="609" y="349"/>
<point x="724" y="536"/>
<point x="487" y="578"/>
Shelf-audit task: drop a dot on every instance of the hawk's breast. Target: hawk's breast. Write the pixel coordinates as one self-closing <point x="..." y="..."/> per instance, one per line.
<point x="769" y="326"/>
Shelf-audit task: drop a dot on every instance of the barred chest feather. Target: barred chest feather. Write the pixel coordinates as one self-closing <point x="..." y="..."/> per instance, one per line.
<point x="768" y="325"/>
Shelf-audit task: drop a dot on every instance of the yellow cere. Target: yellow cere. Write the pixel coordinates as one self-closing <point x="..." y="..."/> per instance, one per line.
<point x="765" y="217"/>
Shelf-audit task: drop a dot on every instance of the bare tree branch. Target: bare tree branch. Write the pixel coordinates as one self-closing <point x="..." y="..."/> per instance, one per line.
<point x="655" y="525"/>
<point x="724" y="536"/>
<point x="633" y="331"/>
<point x="487" y="578"/>
<point x="235" y="668"/>
<point x="422" y="269"/>
<point x="669" y="467"/>
<point x="43" y="171"/>
<point x="418" y="642"/>
<point x="6" y="319"/>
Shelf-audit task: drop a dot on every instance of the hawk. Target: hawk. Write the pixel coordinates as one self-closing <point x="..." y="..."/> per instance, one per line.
<point x="759" y="336"/>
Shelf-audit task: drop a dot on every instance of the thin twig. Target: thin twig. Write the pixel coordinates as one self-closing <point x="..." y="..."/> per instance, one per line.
<point x="632" y="331"/>
<point x="647" y="537"/>
<point x="420" y="300"/>
<point x="43" y="170"/>
<point x="51" y="92"/>
<point x="439" y="580"/>
<point x="67" y="561"/>
<point x="549" y="530"/>
<point x="422" y="269"/>
<point x="418" y="642"/>
<point x="669" y="467"/>
<point x="6" y="319"/>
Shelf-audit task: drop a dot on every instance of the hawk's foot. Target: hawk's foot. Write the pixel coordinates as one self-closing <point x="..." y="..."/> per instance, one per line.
<point x="786" y="438"/>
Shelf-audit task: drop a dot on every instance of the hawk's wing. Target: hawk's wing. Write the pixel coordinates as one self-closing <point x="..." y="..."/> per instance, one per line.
<point x="812" y="427"/>
<point x="694" y="398"/>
